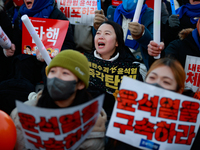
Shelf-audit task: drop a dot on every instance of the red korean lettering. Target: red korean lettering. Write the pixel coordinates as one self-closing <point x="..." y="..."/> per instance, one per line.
<point x="65" y="11"/>
<point x="75" y="2"/>
<point x="76" y="12"/>
<point x="192" y="67"/>
<point x="198" y="68"/>
<point x="144" y="127"/>
<point x="126" y="99"/>
<point x="169" y="108"/>
<point x="189" y="79"/>
<point x="37" y="144"/>
<point x="62" y="2"/>
<point x="52" y="144"/>
<point x="2" y="35"/>
<point x="92" y="9"/>
<point x="195" y="79"/>
<point x="165" y="132"/>
<point x="90" y="111"/>
<point x="89" y="125"/>
<point x="5" y="38"/>
<point x="189" y="111"/>
<point x="82" y="2"/>
<point x="85" y="10"/>
<point x="70" y="122"/>
<point x="94" y="3"/>
<point x="186" y="133"/>
<point x="72" y="138"/>
<point x="89" y="3"/>
<point x="50" y="126"/>
<point x="28" y="122"/>
<point x="69" y="2"/>
<point x="148" y="105"/>
<point x="124" y="127"/>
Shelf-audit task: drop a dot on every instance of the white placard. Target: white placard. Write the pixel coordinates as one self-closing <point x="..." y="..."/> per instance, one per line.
<point x="153" y="118"/>
<point x="64" y="128"/>
<point x="78" y="11"/>
<point x="192" y="71"/>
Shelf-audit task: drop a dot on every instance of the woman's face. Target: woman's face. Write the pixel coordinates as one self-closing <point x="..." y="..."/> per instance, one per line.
<point x="61" y="73"/>
<point x="29" y="3"/>
<point x="163" y="76"/>
<point x="105" y="41"/>
<point x="194" y="2"/>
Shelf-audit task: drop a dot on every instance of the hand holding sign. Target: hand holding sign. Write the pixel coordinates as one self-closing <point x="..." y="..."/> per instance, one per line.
<point x="10" y="51"/>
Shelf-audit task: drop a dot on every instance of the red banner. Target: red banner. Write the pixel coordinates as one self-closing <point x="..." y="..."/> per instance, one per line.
<point x="51" y="32"/>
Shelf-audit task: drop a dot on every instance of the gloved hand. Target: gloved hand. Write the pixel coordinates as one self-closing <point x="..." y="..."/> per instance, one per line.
<point x="99" y="18"/>
<point x="174" y="21"/>
<point x="135" y="28"/>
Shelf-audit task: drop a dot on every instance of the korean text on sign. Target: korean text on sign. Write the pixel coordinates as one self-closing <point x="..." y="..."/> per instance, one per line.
<point x="146" y="115"/>
<point x="58" y="128"/>
<point x="78" y="11"/>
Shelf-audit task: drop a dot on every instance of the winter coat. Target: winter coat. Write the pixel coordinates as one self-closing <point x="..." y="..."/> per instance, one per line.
<point x="109" y="100"/>
<point x="95" y="140"/>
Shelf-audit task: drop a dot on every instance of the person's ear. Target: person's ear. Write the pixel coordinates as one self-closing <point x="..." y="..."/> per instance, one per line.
<point x="116" y="44"/>
<point x="80" y="85"/>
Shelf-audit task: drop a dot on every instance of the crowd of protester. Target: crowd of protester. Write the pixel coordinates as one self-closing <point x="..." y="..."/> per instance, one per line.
<point x="112" y="38"/>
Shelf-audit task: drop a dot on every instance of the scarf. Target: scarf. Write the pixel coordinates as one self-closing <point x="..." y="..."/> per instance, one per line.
<point x="195" y="36"/>
<point x="129" y="15"/>
<point x="190" y="11"/>
<point x="40" y="9"/>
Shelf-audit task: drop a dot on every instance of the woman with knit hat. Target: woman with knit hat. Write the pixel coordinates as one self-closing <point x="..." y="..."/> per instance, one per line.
<point x="67" y="80"/>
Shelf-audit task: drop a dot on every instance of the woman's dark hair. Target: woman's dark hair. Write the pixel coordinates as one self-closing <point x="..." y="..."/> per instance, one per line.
<point x="119" y="36"/>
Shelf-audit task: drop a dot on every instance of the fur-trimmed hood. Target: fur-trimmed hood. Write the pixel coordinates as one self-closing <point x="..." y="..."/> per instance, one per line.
<point x="184" y="33"/>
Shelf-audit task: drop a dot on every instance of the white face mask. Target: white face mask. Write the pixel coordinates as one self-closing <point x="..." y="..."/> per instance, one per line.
<point x="59" y="89"/>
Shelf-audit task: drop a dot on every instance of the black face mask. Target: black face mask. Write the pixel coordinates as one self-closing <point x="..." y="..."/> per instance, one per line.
<point x="59" y="89"/>
<point x="158" y="85"/>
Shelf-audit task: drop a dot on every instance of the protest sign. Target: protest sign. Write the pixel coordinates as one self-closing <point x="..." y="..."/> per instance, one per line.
<point x="51" y="32"/>
<point x="192" y="71"/>
<point x="107" y="75"/>
<point x="153" y="118"/>
<point x="64" y="128"/>
<point x="78" y="11"/>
